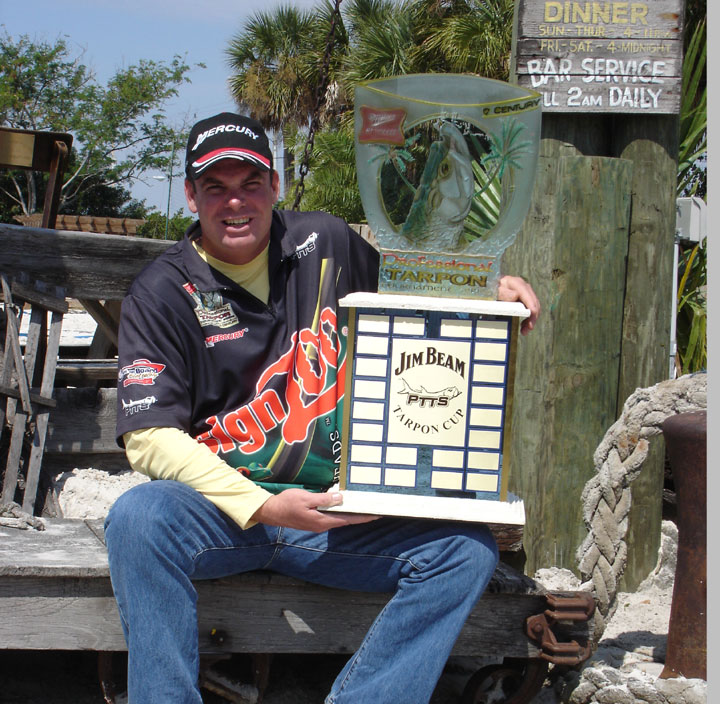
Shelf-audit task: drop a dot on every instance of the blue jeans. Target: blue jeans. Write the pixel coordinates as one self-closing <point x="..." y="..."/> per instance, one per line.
<point x="163" y="534"/>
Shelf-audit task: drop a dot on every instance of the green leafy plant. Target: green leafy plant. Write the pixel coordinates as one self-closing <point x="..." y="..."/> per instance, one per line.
<point x="331" y="184"/>
<point x="398" y="157"/>
<point x="485" y="207"/>
<point x="156" y="224"/>
<point x="693" y="113"/>
<point x="493" y="178"/>
<point x="692" y="311"/>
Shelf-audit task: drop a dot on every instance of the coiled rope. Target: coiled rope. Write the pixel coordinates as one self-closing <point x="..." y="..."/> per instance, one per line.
<point x="618" y="459"/>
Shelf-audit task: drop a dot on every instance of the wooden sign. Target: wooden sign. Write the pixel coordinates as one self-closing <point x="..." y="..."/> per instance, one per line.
<point x="596" y="56"/>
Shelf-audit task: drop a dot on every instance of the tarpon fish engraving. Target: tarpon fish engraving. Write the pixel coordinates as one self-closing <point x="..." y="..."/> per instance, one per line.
<point x="443" y="199"/>
<point x="423" y="397"/>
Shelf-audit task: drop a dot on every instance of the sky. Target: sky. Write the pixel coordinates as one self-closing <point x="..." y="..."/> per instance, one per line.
<point x="115" y="35"/>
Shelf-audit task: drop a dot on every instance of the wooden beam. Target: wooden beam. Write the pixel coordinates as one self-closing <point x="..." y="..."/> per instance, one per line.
<point x="60" y="155"/>
<point x="102" y="316"/>
<point x="88" y="265"/>
<point x="55" y="593"/>
<point x="35" y="296"/>
<point x="254" y="612"/>
<point x="84" y="372"/>
<point x="651" y="144"/>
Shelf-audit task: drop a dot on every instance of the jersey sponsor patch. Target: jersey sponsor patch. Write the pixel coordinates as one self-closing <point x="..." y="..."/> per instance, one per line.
<point x="212" y="340"/>
<point x="142" y="404"/>
<point x="141" y="371"/>
<point x="222" y="317"/>
<point x="211" y="309"/>
<point x="302" y="250"/>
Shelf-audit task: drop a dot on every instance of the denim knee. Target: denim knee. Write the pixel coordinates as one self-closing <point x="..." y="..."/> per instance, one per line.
<point x="482" y="541"/>
<point x="477" y="552"/>
<point x="140" y="513"/>
<point x="128" y="508"/>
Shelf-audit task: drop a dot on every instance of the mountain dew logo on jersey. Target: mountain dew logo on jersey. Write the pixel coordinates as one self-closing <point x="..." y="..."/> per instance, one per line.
<point x="288" y="434"/>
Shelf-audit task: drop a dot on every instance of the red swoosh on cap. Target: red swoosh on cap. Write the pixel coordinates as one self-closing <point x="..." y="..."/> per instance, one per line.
<point x="244" y="154"/>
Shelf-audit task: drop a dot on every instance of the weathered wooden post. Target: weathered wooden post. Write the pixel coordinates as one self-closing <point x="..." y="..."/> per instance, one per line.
<point x="597" y="246"/>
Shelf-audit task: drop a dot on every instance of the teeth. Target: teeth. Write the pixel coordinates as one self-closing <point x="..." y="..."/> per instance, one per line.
<point x="237" y="221"/>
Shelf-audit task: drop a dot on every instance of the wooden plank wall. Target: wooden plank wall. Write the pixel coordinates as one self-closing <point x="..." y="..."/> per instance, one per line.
<point x="83" y="422"/>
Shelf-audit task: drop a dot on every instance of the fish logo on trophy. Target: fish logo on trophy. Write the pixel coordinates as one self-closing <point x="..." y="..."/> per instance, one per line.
<point x="446" y="165"/>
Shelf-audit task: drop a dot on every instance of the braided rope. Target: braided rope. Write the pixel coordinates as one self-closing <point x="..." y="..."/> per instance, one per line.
<point x="618" y="459"/>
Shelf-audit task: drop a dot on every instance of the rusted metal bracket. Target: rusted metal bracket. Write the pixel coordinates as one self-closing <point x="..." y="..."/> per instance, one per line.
<point x="575" y="607"/>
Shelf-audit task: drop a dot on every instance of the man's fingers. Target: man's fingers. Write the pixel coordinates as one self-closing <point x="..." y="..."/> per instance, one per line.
<point x="335" y="519"/>
<point x="327" y="499"/>
<point x="297" y="508"/>
<point x="515" y="288"/>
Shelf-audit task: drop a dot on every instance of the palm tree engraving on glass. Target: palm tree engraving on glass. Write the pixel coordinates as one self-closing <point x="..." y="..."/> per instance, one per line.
<point x="446" y="164"/>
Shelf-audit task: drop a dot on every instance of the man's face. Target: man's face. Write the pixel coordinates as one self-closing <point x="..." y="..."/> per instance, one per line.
<point x="234" y="201"/>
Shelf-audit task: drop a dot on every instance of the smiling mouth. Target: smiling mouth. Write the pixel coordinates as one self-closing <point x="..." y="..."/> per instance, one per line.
<point x="236" y="222"/>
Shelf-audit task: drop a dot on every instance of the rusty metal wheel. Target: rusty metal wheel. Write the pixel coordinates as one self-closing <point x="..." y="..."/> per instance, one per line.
<point x="515" y="681"/>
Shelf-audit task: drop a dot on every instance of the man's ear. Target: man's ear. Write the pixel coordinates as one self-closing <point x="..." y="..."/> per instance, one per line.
<point x="190" y="195"/>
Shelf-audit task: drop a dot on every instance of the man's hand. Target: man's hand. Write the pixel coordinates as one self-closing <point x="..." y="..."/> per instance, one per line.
<point x="297" y="508"/>
<point x="515" y="288"/>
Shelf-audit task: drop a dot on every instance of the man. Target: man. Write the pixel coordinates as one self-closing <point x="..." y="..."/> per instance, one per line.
<point x="231" y="343"/>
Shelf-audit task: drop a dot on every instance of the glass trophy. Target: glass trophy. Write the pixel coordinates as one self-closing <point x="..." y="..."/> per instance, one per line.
<point x="446" y="165"/>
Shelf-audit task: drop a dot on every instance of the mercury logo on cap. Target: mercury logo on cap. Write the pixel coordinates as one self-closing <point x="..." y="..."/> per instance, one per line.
<point x="226" y="136"/>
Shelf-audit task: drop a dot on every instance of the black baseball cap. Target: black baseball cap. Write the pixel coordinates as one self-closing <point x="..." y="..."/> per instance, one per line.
<point x="226" y="136"/>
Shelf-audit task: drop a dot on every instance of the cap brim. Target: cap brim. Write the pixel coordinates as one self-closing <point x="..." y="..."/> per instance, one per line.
<point x="246" y="155"/>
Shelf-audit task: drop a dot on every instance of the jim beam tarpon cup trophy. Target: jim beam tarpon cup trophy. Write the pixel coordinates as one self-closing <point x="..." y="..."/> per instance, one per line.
<point x="445" y="167"/>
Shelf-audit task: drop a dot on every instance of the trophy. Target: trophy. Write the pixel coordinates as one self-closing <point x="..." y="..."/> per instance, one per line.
<point x="446" y="165"/>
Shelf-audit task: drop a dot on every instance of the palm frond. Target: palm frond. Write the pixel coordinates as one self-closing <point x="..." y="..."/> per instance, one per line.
<point x="693" y="108"/>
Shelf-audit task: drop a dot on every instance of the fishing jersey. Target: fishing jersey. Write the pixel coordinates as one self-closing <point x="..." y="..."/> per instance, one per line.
<point x="260" y="383"/>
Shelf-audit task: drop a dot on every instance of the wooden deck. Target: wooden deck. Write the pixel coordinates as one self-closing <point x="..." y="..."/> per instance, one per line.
<point x="55" y="593"/>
